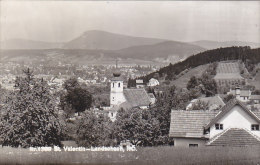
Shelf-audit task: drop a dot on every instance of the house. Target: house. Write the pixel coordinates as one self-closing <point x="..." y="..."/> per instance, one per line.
<point x="232" y="125"/>
<point x="139" y="83"/>
<point x="244" y="95"/>
<point x="214" y="102"/>
<point x="126" y="98"/>
<point x="228" y="74"/>
<point x="153" y="82"/>
<point x="255" y="99"/>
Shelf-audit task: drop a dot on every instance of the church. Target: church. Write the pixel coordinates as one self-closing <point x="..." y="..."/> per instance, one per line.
<point x="126" y="98"/>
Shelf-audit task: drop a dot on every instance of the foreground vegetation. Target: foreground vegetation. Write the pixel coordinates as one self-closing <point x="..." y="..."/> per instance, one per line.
<point x="146" y="155"/>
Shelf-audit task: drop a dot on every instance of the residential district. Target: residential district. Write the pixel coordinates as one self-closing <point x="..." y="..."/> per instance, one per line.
<point x="234" y="122"/>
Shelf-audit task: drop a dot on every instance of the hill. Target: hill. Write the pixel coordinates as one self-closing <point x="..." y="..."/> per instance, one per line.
<point x="182" y="81"/>
<point x="214" y="44"/>
<point x="28" y="44"/>
<point x="246" y="54"/>
<point x="168" y="51"/>
<point x="73" y="56"/>
<point x="96" y="39"/>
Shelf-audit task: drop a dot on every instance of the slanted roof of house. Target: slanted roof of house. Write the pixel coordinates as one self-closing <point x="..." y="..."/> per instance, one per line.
<point x="245" y="93"/>
<point x="225" y="109"/>
<point x="137" y="97"/>
<point x="235" y="137"/>
<point x="213" y="100"/>
<point x="255" y="97"/>
<point x="193" y="123"/>
<point x="189" y="123"/>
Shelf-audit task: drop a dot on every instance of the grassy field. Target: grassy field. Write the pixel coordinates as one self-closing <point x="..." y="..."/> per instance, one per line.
<point x="256" y="81"/>
<point x="183" y="80"/>
<point x="147" y="156"/>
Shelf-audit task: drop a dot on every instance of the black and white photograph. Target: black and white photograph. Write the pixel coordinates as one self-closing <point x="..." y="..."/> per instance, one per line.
<point x="129" y="82"/>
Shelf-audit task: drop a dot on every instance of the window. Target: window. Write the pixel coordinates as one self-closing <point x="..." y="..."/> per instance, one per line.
<point x="255" y="127"/>
<point x="193" y="145"/>
<point x="219" y="126"/>
<point x="118" y="84"/>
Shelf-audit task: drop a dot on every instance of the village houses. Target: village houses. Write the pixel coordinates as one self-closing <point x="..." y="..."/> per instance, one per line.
<point x="126" y="98"/>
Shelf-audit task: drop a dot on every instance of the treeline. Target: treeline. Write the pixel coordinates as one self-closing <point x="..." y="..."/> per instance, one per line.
<point x="245" y="54"/>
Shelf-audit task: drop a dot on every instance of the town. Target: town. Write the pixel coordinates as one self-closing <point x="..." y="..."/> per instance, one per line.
<point x="134" y="82"/>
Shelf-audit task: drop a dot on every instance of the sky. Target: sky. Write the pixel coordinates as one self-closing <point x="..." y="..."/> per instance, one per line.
<point x="61" y="21"/>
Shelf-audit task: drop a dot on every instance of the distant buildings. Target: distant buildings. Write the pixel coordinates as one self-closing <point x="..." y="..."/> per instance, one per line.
<point x="244" y="95"/>
<point x="139" y="83"/>
<point x="153" y="82"/>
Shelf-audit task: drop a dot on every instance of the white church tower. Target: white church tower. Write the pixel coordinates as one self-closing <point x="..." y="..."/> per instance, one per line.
<point x="116" y="89"/>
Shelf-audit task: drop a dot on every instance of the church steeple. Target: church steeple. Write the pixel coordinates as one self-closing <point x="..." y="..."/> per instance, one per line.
<point x="116" y="92"/>
<point x="116" y="72"/>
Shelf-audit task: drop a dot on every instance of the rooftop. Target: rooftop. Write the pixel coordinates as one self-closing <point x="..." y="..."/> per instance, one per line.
<point x="189" y="123"/>
<point x="193" y="123"/>
<point x="235" y="137"/>
<point x="137" y="97"/>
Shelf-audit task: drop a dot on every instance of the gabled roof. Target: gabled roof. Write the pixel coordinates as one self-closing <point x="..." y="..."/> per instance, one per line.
<point x="255" y="97"/>
<point x="213" y="100"/>
<point x="189" y="123"/>
<point x="225" y="109"/>
<point x="235" y="137"/>
<point x="136" y="97"/>
<point x="243" y="92"/>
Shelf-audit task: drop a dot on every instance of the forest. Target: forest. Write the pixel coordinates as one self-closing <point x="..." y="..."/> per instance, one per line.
<point x="247" y="55"/>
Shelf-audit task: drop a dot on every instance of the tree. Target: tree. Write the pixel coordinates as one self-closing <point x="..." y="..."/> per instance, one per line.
<point x="94" y="130"/>
<point x="137" y="126"/>
<point x="75" y="98"/>
<point x="228" y="97"/>
<point x="30" y="118"/>
<point x="192" y="83"/>
<point x="131" y="83"/>
<point x="209" y="85"/>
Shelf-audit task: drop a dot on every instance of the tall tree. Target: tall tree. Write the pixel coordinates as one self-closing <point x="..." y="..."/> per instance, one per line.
<point x="192" y="83"/>
<point x="75" y="97"/>
<point x="138" y="126"/>
<point x="30" y="117"/>
<point x="94" y="130"/>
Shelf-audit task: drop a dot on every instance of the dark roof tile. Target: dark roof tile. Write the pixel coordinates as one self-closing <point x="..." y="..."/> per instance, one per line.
<point x="235" y="137"/>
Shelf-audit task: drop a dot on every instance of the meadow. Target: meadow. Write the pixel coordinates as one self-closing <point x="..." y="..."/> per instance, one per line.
<point x="165" y="155"/>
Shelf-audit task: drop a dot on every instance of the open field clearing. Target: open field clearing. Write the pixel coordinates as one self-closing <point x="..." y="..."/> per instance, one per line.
<point x="150" y="156"/>
<point x="256" y="81"/>
<point x="182" y="81"/>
